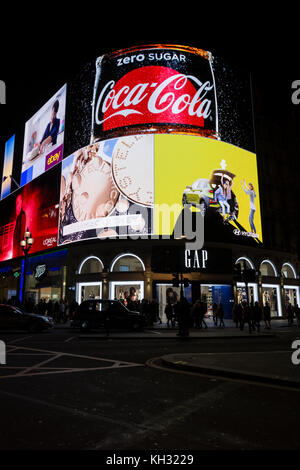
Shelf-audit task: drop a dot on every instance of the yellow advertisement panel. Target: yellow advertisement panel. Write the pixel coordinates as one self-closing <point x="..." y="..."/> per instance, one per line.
<point x="212" y="176"/>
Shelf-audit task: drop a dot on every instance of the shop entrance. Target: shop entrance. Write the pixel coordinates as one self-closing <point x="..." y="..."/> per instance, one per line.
<point x="216" y="294"/>
<point x="167" y="291"/>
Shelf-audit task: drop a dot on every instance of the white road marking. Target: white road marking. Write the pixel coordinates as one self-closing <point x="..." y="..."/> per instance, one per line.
<point x="40" y="369"/>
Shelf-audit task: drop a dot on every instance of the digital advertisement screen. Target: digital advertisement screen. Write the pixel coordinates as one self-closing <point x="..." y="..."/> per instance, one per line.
<point x="217" y="178"/>
<point x="139" y="185"/>
<point x="35" y="206"/>
<point x="44" y="138"/>
<point x="7" y="167"/>
<point x="177" y="87"/>
<point x="108" y="191"/>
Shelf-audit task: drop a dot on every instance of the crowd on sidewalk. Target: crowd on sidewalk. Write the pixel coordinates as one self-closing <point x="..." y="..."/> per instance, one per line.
<point x="179" y="313"/>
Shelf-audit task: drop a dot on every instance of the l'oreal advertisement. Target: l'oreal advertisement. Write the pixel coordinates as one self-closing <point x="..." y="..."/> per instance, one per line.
<point x="35" y="206"/>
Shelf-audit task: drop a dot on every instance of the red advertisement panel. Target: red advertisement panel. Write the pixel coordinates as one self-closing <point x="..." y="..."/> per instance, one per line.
<point x="35" y="206"/>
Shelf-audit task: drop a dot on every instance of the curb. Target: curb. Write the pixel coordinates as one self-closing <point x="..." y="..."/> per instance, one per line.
<point x="230" y="373"/>
<point x="167" y="337"/>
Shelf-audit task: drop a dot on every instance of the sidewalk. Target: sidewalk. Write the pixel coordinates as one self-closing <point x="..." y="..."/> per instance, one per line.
<point x="269" y="367"/>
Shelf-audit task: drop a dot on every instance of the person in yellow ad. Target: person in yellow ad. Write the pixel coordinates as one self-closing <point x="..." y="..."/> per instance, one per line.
<point x="250" y="191"/>
<point x="220" y="196"/>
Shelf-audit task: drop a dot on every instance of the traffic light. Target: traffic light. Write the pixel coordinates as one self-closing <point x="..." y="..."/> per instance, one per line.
<point x="175" y="281"/>
<point x="237" y="273"/>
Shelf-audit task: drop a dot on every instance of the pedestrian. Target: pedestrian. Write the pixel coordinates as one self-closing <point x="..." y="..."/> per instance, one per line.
<point x="246" y="316"/>
<point x="267" y="316"/>
<point x="220" y="315"/>
<point x="297" y="314"/>
<point x="56" y="312"/>
<point x="198" y="312"/>
<point x="49" y="308"/>
<point x="169" y="314"/>
<point x="290" y="314"/>
<point x="235" y="314"/>
<point x="183" y="316"/>
<point x="257" y="315"/>
<point x="214" y="313"/>
<point x="62" y="309"/>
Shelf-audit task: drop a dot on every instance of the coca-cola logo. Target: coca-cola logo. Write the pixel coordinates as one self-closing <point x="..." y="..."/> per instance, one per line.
<point x="154" y="94"/>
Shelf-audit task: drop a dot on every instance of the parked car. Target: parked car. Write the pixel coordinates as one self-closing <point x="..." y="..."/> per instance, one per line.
<point x="15" y="318"/>
<point x="96" y="313"/>
<point x="201" y="192"/>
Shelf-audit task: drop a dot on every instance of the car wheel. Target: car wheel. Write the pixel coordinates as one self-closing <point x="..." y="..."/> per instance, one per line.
<point x="136" y="326"/>
<point x="84" y="326"/>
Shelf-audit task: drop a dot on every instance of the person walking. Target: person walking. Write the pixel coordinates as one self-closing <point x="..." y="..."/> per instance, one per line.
<point x="290" y="314"/>
<point x="214" y="313"/>
<point x="297" y="314"/>
<point x="257" y="317"/>
<point x="246" y="318"/>
<point x="196" y="314"/>
<point x="220" y="315"/>
<point x="183" y="315"/>
<point x="267" y="316"/>
<point x="169" y="314"/>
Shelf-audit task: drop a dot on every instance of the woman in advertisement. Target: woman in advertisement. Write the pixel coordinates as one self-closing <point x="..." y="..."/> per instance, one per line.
<point x="250" y="191"/>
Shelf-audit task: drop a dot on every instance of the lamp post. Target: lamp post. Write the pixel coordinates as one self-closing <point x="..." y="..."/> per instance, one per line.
<point x="26" y="244"/>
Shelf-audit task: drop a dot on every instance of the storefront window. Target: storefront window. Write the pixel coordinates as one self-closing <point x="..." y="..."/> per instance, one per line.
<point x="271" y="296"/>
<point x="217" y="294"/>
<point x="288" y="271"/>
<point x="242" y="293"/>
<point x="291" y="296"/>
<point x="88" y="290"/>
<point x="166" y="292"/>
<point x="127" y="262"/>
<point x="267" y="268"/>
<point x="125" y="290"/>
<point x="245" y="263"/>
<point x="92" y="264"/>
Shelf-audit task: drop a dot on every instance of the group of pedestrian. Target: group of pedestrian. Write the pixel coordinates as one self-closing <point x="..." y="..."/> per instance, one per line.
<point x="252" y="315"/>
<point x="60" y="310"/>
<point x="293" y="312"/>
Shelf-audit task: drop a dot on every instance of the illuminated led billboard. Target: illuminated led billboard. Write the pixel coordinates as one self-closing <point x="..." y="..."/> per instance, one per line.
<point x="108" y="191"/>
<point x="34" y="206"/>
<point x="7" y="167"/>
<point x="139" y="185"/>
<point x="44" y="138"/>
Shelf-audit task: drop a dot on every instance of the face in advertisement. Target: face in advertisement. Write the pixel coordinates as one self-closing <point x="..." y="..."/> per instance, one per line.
<point x="44" y="138"/>
<point x="206" y="176"/>
<point x="106" y="190"/>
<point x="34" y="206"/>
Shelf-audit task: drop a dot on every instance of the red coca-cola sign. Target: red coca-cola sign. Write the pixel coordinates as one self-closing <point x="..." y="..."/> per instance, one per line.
<point x="163" y="88"/>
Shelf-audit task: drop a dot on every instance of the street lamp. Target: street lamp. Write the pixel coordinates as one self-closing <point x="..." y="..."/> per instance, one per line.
<point x="26" y="244"/>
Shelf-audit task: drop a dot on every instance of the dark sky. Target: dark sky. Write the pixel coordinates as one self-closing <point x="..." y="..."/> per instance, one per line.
<point x="32" y="76"/>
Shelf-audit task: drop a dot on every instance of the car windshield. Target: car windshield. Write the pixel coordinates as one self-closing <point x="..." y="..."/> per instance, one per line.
<point x="18" y="310"/>
<point x="199" y="184"/>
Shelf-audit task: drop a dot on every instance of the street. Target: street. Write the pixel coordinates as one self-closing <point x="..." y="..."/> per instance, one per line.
<point x="61" y="390"/>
